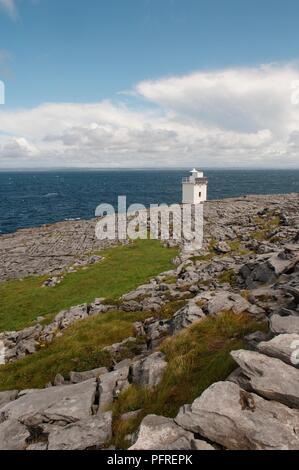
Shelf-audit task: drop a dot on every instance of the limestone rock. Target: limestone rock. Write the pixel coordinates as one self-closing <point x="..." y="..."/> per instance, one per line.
<point x="110" y="386"/>
<point x="284" y="347"/>
<point x="13" y="435"/>
<point x="59" y="380"/>
<point x="222" y="247"/>
<point x="77" y="377"/>
<point x="88" y="433"/>
<point x="238" y="420"/>
<point x="6" y="397"/>
<point x="265" y="269"/>
<point x="281" y="325"/>
<point x="271" y="378"/>
<point x="64" y="403"/>
<point x="225" y="301"/>
<point x="159" y="433"/>
<point x="186" y="316"/>
<point x="257" y="272"/>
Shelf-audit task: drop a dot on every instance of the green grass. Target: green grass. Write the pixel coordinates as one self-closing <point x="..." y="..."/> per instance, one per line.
<point x="170" y="280"/>
<point x="197" y="357"/>
<point x="123" y="269"/>
<point x="79" y="348"/>
<point x="266" y="226"/>
<point x="229" y="276"/>
<point x="170" y="308"/>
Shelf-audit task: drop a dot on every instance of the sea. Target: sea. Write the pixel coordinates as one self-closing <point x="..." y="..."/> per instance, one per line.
<point x="34" y="198"/>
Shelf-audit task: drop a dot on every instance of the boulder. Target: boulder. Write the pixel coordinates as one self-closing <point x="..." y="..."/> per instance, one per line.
<point x="89" y="433"/>
<point x="271" y="378"/>
<point x="63" y="403"/>
<point x="156" y="331"/>
<point x="223" y="248"/>
<point x="55" y="418"/>
<point x="13" y="435"/>
<point x="110" y="386"/>
<point x="6" y="397"/>
<point x="58" y="380"/>
<point x="265" y="269"/>
<point x="187" y="315"/>
<point x="293" y="291"/>
<point x="283" y="261"/>
<point x="258" y="272"/>
<point x="284" y="347"/>
<point x="238" y="420"/>
<point x="281" y="325"/>
<point x="225" y="301"/>
<point x="77" y="377"/>
<point x="148" y="372"/>
<point x="159" y="433"/>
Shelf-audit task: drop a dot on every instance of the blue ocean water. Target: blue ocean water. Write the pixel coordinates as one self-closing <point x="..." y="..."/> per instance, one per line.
<point x="29" y="199"/>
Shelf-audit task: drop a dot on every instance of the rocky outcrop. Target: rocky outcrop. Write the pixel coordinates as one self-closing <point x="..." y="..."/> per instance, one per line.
<point x="282" y="325"/>
<point x="227" y="301"/>
<point x="159" y="433"/>
<point x="77" y="377"/>
<point x="238" y="420"/>
<point x="6" y="397"/>
<point x="256" y="408"/>
<point x="20" y="343"/>
<point x="269" y="377"/>
<point x="284" y="347"/>
<point x="57" y="418"/>
<point x="111" y="385"/>
<point x="50" y="249"/>
<point x="266" y="269"/>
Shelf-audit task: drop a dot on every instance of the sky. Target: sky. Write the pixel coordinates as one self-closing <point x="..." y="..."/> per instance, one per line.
<point x="149" y="83"/>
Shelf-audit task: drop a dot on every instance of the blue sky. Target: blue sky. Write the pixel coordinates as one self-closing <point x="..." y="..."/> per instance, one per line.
<point x="149" y="83"/>
<point x="75" y="50"/>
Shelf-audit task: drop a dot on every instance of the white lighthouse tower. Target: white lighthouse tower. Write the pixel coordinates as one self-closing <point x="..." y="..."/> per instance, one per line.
<point x="195" y="188"/>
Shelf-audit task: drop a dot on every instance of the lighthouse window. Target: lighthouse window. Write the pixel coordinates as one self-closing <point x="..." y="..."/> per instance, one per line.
<point x="199" y="193"/>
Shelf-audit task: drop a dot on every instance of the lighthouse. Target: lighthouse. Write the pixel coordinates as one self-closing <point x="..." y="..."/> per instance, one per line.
<point x="195" y="188"/>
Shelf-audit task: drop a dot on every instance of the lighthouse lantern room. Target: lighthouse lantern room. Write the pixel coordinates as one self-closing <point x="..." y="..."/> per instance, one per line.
<point x="195" y="188"/>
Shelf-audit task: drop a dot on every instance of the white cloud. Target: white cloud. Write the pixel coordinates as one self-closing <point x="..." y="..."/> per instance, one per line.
<point x="10" y="7"/>
<point x="234" y="117"/>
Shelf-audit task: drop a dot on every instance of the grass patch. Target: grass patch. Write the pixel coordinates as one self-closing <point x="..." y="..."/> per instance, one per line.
<point x="170" y="308"/>
<point x="266" y="226"/>
<point x="259" y="235"/>
<point x="122" y="270"/>
<point x="170" y="280"/>
<point x="208" y="256"/>
<point x="197" y="357"/>
<point x="229" y="276"/>
<point x="79" y="349"/>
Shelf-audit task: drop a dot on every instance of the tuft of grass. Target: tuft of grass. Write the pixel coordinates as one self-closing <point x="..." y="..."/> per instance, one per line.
<point x="122" y="270"/>
<point x="229" y="277"/>
<point x="234" y="245"/>
<point x="207" y="257"/>
<point x="170" y="280"/>
<point x="122" y="428"/>
<point x="259" y="235"/>
<point x="170" y="308"/>
<point x="197" y="357"/>
<point x="80" y="348"/>
<point x="266" y="226"/>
